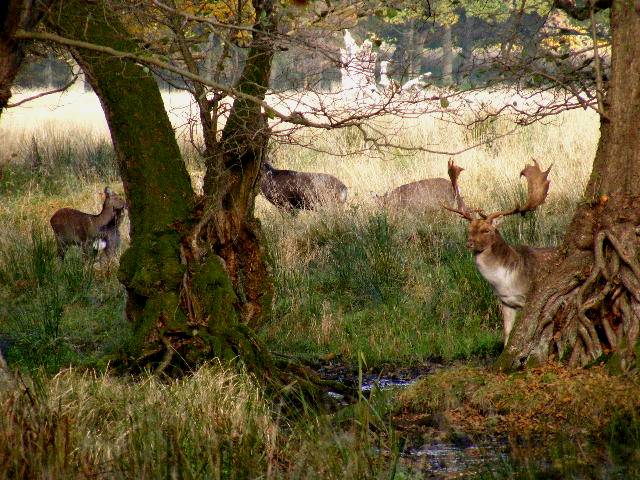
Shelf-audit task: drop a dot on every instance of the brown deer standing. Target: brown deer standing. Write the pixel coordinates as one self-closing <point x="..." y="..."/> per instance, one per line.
<point x="290" y="190"/>
<point x="509" y="269"/>
<point x="429" y="193"/>
<point x="73" y="227"/>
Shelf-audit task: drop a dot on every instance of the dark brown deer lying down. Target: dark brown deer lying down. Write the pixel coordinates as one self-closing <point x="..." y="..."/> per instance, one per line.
<point x="73" y="227"/>
<point x="289" y="189"/>
<point x="428" y="194"/>
<point x="509" y="269"/>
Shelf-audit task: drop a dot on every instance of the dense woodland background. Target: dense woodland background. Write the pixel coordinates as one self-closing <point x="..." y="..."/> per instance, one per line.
<point x="470" y="45"/>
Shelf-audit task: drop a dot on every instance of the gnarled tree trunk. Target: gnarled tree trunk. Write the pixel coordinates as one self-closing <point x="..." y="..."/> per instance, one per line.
<point x="232" y="178"/>
<point x="588" y="302"/>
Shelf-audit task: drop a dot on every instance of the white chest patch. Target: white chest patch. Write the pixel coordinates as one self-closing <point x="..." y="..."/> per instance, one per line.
<point x="99" y="244"/>
<point x="507" y="284"/>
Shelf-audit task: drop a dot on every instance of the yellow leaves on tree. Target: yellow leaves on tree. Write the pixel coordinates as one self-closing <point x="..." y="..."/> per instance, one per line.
<point x="238" y="13"/>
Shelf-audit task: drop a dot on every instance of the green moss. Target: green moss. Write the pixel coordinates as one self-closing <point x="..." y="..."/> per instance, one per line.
<point x="152" y="264"/>
<point x="212" y="285"/>
<point x="614" y="364"/>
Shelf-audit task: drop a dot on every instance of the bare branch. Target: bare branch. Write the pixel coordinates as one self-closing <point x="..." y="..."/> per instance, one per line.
<point x="295" y="117"/>
<point x="42" y="94"/>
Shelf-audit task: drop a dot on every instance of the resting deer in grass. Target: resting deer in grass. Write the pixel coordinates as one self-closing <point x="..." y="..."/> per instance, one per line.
<point x="289" y="189"/>
<point x="429" y="193"/>
<point x="509" y="269"/>
<point x="73" y="227"/>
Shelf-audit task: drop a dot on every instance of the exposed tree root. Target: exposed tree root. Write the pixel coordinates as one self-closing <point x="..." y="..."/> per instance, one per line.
<point x="592" y="312"/>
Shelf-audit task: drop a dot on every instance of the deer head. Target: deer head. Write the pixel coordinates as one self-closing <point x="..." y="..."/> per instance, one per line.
<point x="483" y="231"/>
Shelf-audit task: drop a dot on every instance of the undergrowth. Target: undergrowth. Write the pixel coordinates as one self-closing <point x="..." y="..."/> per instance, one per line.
<point x="215" y="424"/>
<point x="57" y="312"/>
<point x="397" y="288"/>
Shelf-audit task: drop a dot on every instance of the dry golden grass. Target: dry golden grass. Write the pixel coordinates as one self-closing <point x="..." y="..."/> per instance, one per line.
<point x="569" y="142"/>
<point x="489" y="181"/>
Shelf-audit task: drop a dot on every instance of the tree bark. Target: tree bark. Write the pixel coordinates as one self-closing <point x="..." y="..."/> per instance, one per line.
<point x="15" y="15"/>
<point x="228" y="226"/>
<point x="588" y="306"/>
<point x="447" y="55"/>
<point x="232" y="178"/>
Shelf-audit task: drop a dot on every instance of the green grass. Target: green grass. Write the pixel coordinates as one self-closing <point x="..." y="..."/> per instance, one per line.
<point x="394" y="288"/>
<point x="56" y="312"/>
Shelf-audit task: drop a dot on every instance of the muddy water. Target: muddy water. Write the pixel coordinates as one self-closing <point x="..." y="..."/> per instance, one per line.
<point x="446" y="460"/>
<point x="434" y="457"/>
<point x="383" y="377"/>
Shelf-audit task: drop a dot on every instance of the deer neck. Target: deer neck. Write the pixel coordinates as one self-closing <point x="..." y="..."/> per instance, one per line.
<point x="499" y="255"/>
<point x="104" y="217"/>
<point x="503" y="267"/>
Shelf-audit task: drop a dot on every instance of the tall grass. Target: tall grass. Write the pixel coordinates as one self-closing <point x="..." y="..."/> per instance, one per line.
<point x="400" y="287"/>
<point x="366" y="282"/>
<point x="215" y="424"/>
<point x="55" y="312"/>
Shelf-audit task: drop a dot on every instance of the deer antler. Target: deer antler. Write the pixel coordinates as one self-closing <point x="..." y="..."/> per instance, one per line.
<point x="537" y="189"/>
<point x="462" y="210"/>
<point x="537" y="186"/>
<point x="454" y="172"/>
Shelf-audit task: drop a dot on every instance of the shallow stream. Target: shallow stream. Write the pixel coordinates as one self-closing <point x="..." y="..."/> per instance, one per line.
<point x="437" y="457"/>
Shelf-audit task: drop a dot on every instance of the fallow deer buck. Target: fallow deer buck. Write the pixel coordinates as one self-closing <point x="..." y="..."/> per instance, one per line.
<point x="289" y="189"/>
<point x="73" y="227"/>
<point x="509" y="269"/>
<point x="429" y="193"/>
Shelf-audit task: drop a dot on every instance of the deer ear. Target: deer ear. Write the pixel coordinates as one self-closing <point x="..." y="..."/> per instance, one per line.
<point x="495" y="222"/>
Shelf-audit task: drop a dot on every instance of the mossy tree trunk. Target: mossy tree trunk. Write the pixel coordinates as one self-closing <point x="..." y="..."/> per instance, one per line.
<point x="588" y="303"/>
<point x="233" y="174"/>
<point x="228" y="227"/>
<point x="180" y="295"/>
